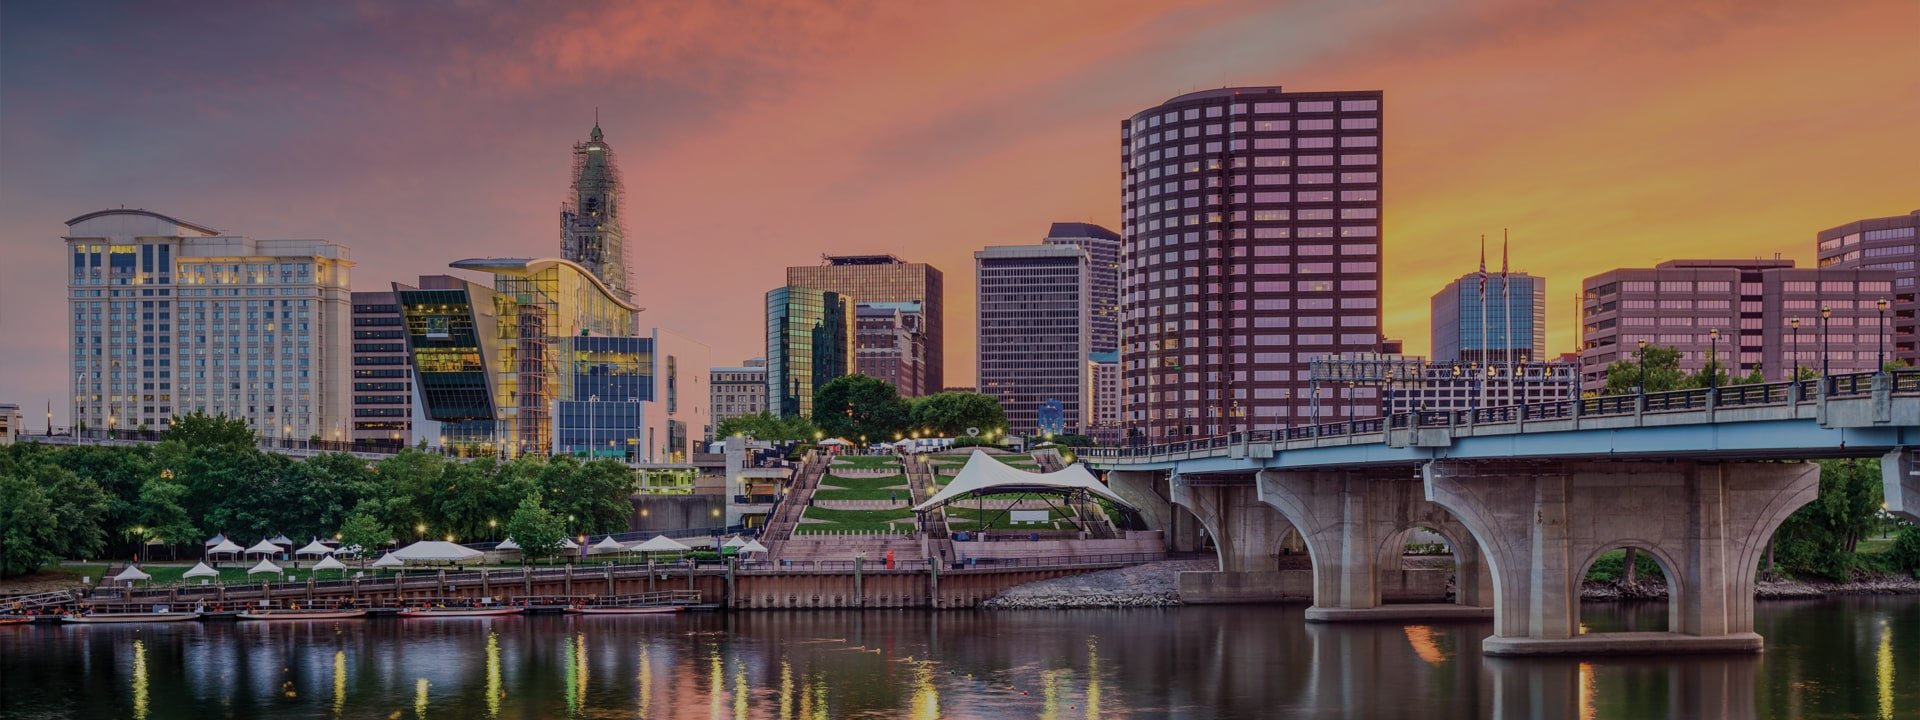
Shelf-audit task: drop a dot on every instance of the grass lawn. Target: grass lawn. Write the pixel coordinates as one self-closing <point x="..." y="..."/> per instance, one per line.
<point x="863" y="488"/>
<point x="1873" y="545"/>
<point x="854" y="521"/>
<point x="868" y="462"/>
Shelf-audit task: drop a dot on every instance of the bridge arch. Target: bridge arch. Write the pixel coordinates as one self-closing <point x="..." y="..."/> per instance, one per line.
<point x="1670" y="570"/>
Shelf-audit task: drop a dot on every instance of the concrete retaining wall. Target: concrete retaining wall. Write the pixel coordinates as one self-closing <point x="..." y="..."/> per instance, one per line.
<point x="1208" y="588"/>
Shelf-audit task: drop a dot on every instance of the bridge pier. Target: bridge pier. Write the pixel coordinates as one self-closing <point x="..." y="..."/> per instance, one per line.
<point x="1249" y="537"/>
<point x="1900" y="482"/>
<point x="1543" y="524"/>
<point x="1355" y="524"/>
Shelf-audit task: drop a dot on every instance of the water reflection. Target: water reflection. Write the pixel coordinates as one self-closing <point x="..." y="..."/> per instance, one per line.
<point x="339" y="681"/>
<point x="1853" y="658"/>
<point x="139" y="680"/>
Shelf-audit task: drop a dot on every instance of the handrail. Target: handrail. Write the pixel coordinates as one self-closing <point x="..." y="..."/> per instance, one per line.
<point x="1900" y="381"/>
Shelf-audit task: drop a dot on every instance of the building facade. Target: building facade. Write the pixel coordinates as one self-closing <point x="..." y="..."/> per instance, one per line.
<point x="10" y="423"/>
<point x="1891" y="244"/>
<point x="1752" y="314"/>
<point x="1252" y="236"/>
<point x="885" y="280"/>
<point x="590" y="234"/>
<point x="810" y="337"/>
<point x="170" y="318"/>
<point x="1034" y="330"/>
<point x="889" y="344"/>
<point x="738" y="390"/>
<point x="1103" y="258"/>
<point x="1104" y="370"/>
<point x="545" y="361"/>
<point x="382" y="375"/>
<point x="1508" y="325"/>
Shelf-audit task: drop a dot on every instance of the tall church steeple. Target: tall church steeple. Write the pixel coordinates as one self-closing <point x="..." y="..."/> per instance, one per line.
<point x="590" y="218"/>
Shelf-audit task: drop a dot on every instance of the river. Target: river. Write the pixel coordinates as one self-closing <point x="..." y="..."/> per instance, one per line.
<point x="1844" y="657"/>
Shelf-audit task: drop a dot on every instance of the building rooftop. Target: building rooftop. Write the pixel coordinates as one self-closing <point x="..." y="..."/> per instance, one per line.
<point x="1080" y="230"/>
<point x="862" y="260"/>
<point x="143" y="213"/>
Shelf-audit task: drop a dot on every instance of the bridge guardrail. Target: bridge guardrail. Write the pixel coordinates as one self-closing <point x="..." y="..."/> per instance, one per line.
<point x="1901" y="381"/>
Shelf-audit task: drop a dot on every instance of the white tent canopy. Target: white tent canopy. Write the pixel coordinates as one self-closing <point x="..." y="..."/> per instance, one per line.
<point x="507" y="544"/>
<point x="282" y="541"/>
<point x="569" y="544"/>
<point x="435" y="551"/>
<point x="608" y="545"/>
<point x="264" y="546"/>
<point x="314" y="548"/>
<point x="733" y="542"/>
<point x="131" y="574"/>
<point x="388" y="560"/>
<point x="201" y="570"/>
<point x="661" y="543"/>
<point x="226" y="547"/>
<point x="216" y="539"/>
<point x="328" y="563"/>
<point x="834" y="441"/>
<point x="753" y="546"/>
<point x="265" y="566"/>
<point x="984" y="475"/>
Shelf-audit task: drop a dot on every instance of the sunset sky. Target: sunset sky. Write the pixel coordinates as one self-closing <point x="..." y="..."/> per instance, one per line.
<point x="754" y="136"/>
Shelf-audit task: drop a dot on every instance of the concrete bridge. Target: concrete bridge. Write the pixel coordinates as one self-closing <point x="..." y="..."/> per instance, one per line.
<point x="1528" y="497"/>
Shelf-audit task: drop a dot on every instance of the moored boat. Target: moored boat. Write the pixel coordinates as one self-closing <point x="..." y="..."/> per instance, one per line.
<point x="301" y="614"/>
<point x="458" y="612"/>
<point x="128" y="617"/>
<point x="15" y="620"/>
<point x="624" y="610"/>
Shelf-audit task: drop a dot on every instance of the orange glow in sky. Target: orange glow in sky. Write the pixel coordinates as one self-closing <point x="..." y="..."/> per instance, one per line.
<point x="756" y="136"/>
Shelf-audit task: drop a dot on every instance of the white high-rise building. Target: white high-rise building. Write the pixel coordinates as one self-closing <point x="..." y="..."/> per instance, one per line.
<point x="170" y="317"/>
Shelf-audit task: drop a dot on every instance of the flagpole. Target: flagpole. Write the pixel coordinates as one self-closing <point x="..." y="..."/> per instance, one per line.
<point x="1480" y="379"/>
<point x="1506" y="309"/>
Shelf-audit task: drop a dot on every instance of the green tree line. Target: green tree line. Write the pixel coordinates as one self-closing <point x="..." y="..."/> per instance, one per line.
<point x="857" y="406"/>
<point x="208" y="477"/>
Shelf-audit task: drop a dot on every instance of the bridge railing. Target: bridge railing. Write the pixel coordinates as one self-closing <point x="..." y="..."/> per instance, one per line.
<point x="1902" y="381"/>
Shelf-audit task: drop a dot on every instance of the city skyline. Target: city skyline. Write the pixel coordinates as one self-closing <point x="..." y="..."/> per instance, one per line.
<point x="409" y="158"/>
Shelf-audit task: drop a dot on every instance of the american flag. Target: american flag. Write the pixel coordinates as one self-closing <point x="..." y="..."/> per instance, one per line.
<point x="1483" y="268"/>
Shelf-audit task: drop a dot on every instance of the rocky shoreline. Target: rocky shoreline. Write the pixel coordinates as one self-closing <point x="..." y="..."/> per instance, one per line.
<point x="1764" y="590"/>
<point x="1156" y="585"/>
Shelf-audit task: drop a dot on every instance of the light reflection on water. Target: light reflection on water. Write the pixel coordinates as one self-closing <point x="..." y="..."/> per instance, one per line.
<point x="1843" y="658"/>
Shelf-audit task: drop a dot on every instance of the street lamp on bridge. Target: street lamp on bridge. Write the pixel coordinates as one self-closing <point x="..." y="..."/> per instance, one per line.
<point x="1642" y="353"/>
<point x="1713" y="359"/>
<point x="1795" y="350"/>
<point x="1825" y="312"/>
<point x="1880" y="329"/>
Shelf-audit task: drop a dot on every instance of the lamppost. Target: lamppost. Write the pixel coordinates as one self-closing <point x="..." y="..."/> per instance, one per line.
<point x="1713" y="359"/>
<point x="1825" y="312"/>
<point x="1642" y="357"/>
<point x="1795" y="351"/>
<point x="1880" y="357"/>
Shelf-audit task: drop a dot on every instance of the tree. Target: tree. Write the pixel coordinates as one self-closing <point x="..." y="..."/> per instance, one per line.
<point x="537" y="531"/>
<point x="1658" y="365"/>
<point x="160" y="511"/>
<point x="1820" y="538"/>
<point x="859" y="407"/>
<point x="951" y="414"/>
<point x="27" y="526"/>
<point x="592" y="497"/>
<point x="361" y="529"/>
<point x="198" y="429"/>
<point x="767" y="426"/>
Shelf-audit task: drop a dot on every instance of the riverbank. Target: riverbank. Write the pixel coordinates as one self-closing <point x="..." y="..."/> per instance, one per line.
<point x="1156" y="585"/>
<point x="1764" y="590"/>
<point x="1148" y="585"/>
